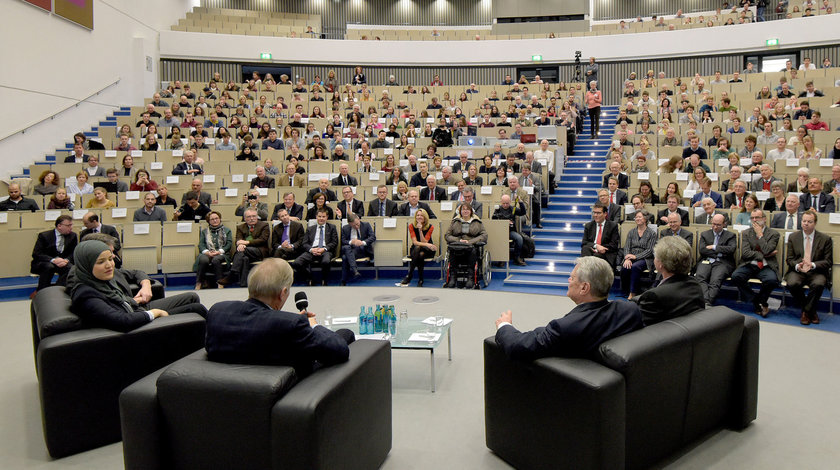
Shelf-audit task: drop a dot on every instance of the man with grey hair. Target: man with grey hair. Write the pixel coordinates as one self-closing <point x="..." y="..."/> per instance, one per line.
<point x="262" y="180"/>
<point x="467" y="196"/>
<point x="709" y="210"/>
<point x="578" y="334"/>
<point x="251" y="246"/>
<point x="791" y="218"/>
<point x="759" y="246"/>
<point x="257" y="331"/>
<point x="717" y="258"/>
<point x="678" y="293"/>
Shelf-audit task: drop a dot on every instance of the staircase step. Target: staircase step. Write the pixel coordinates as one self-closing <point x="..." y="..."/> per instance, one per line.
<point x="523" y="279"/>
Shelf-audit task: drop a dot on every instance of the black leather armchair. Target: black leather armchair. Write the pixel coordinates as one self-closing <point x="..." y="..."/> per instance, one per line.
<point x="649" y="394"/>
<point x="81" y="371"/>
<point x="197" y="413"/>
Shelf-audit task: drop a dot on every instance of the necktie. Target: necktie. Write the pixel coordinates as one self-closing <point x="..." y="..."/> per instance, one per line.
<point x="285" y="236"/>
<point x="612" y="198"/>
<point x="814" y="204"/>
<point x="381" y="209"/>
<point x="321" y="235"/>
<point x="806" y="258"/>
<point x="739" y="201"/>
<point x="431" y="194"/>
<point x="345" y="180"/>
<point x="790" y="222"/>
<point x="600" y="232"/>
<point x="60" y="246"/>
<point x="291" y="181"/>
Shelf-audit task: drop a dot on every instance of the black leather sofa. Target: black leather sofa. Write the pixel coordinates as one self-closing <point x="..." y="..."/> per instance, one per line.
<point x="81" y="370"/>
<point x="197" y="413"/>
<point x="648" y="395"/>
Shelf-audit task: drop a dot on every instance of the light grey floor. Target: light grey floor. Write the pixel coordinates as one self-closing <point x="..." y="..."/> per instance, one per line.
<point x="798" y="418"/>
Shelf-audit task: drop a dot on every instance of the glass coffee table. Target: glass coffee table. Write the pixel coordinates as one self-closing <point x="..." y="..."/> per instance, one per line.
<point x="412" y="334"/>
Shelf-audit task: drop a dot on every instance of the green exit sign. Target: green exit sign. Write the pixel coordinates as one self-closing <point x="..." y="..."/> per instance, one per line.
<point x="772" y="42"/>
<point x="536" y="58"/>
<point x="265" y="55"/>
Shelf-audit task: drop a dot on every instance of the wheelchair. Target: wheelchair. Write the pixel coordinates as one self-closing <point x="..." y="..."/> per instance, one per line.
<point x="457" y="268"/>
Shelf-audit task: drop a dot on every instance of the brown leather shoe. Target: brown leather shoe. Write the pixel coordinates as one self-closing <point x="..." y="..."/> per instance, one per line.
<point x="765" y="310"/>
<point x="815" y="319"/>
<point x="805" y="320"/>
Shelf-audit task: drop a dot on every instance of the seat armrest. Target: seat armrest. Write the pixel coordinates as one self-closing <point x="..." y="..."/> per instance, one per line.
<point x="141" y="424"/>
<point x="554" y="412"/>
<point x="338" y="417"/>
<point x="745" y="406"/>
<point x="163" y="341"/>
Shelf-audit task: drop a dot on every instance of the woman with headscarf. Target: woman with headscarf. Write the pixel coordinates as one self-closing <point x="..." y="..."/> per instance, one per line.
<point x="101" y="296"/>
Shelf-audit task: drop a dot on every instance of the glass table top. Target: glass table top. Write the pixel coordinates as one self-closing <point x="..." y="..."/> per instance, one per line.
<point x="412" y="334"/>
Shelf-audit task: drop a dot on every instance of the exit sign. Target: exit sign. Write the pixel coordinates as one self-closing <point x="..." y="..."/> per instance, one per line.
<point x="265" y="55"/>
<point x="536" y="58"/>
<point x="773" y="42"/>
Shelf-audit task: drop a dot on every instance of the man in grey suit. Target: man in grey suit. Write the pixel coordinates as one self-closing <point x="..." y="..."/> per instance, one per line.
<point x="791" y="218"/>
<point x="705" y="218"/>
<point x="466" y="196"/>
<point x="527" y="179"/>
<point x="758" y="257"/>
<point x="357" y="239"/>
<point x="717" y="258"/>
<point x="767" y="178"/>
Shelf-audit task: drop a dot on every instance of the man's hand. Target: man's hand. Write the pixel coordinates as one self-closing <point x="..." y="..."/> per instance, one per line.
<point x="600" y="249"/>
<point x="240" y="248"/>
<point x="627" y="264"/>
<point x="356" y="242"/>
<point x="286" y="245"/>
<point x="505" y="317"/>
<point x="317" y="251"/>
<point x="60" y="262"/>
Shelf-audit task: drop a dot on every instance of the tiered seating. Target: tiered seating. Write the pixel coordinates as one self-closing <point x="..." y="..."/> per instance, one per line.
<point x="250" y="23"/>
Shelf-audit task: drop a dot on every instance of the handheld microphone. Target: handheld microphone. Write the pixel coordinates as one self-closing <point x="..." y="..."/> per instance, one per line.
<point x="301" y="302"/>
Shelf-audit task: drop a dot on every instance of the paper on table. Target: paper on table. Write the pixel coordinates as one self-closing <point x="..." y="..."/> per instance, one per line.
<point x="529" y="190"/>
<point x="374" y="336"/>
<point x="79" y="214"/>
<point x="172" y="179"/>
<point x="424" y="337"/>
<point x="762" y="195"/>
<point x="184" y="227"/>
<point x="792" y="162"/>
<point x="110" y="153"/>
<point x="136" y="154"/>
<point x="644" y="176"/>
<point x="178" y="153"/>
<point x="51" y="215"/>
<point x="722" y="162"/>
<point x="689" y="193"/>
<point x="389" y="151"/>
<point x="119" y="212"/>
<point x="344" y="320"/>
<point x="4" y="217"/>
<point x="431" y="321"/>
<point x="487" y="190"/>
<point x="231" y="192"/>
<point x="389" y="222"/>
<point x="712" y="176"/>
<point x="834" y="218"/>
<point x="826" y="161"/>
<point x="446" y="205"/>
<point x="157" y="166"/>
<point x="251" y="176"/>
<point x="373" y="177"/>
<point x="451" y="189"/>
<point x="132" y="195"/>
<point x="209" y="178"/>
<point x="682" y="176"/>
<point x="263" y="191"/>
<point x="237" y="178"/>
<point x="141" y="229"/>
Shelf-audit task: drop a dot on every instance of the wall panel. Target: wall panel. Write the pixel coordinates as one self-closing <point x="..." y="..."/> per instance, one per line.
<point x="611" y="9"/>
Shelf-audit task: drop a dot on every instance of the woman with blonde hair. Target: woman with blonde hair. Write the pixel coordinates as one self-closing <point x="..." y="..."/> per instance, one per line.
<point x="100" y="200"/>
<point x="809" y="151"/>
<point x="674" y="165"/>
<point x="422" y="248"/>
<point x="82" y="186"/>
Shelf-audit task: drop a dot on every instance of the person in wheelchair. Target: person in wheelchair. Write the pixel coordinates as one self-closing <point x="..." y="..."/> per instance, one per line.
<point x="464" y="233"/>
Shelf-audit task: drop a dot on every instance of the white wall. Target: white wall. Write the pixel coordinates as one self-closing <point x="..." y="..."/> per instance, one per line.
<point x="52" y="56"/>
<point x="798" y="32"/>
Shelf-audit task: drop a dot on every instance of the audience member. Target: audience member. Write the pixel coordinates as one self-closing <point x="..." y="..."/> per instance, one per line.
<point x="758" y="261"/>
<point x="215" y="243"/>
<point x="53" y="253"/>
<point x="149" y="212"/>
<point x="678" y="293"/>
<point x="357" y="239"/>
<point x="717" y="258"/>
<point x="637" y="255"/>
<point x="421" y="245"/>
<point x="809" y="262"/>
<point x="319" y="247"/>
<point x="815" y="198"/>
<point x="509" y="212"/>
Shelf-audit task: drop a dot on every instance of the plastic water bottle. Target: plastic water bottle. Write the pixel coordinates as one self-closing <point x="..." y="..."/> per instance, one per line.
<point x="392" y="321"/>
<point x="369" y="321"/>
<point x="362" y="324"/>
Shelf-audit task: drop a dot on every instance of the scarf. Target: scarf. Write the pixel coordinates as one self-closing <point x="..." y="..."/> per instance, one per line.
<point x="85" y="257"/>
<point x="215" y="237"/>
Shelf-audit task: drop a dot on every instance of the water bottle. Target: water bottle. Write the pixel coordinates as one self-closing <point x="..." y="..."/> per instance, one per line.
<point x="392" y="321"/>
<point x="369" y="321"/>
<point x="362" y="324"/>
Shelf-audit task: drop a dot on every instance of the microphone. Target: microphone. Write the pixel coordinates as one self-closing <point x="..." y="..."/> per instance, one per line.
<point x="301" y="302"/>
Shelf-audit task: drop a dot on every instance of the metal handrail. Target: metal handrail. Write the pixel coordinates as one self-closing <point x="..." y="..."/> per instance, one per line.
<point x="73" y="105"/>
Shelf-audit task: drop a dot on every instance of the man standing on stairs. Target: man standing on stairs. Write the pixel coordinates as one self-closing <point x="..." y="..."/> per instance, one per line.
<point x="600" y="236"/>
<point x="593" y="105"/>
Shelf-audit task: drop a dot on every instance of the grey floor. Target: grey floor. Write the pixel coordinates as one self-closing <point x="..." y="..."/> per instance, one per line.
<point x="798" y="418"/>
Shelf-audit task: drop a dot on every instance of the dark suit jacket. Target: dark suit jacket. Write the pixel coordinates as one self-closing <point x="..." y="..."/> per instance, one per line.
<point x="676" y="296"/>
<point x="181" y="169"/>
<point x="610" y="239"/>
<point x="712" y="194"/>
<point x="620" y="197"/>
<point x="107" y="230"/>
<point x="97" y="310"/>
<point x="358" y="208"/>
<point x="730" y="199"/>
<point x="755" y="249"/>
<point x="821" y="252"/>
<point x="780" y="220"/>
<point x="685" y="234"/>
<point x="683" y="217"/>
<point x="623" y="181"/>
<point x="352" y="181"/>
<point x="330" y="233"/>
<point x="614" y="213"/>
<point x="724" y="252"/>
<point x="390" y="208"/>
<point x="825" y="202"/>
<point x="296" y="234"/>
<point x="261" y="232"/>
<point x="703" y="219"/>
<point x="404" y="209"/>
<point x="440" y="194"/>
<point x="577" y="334"/>
<point x="252" y="333"/>
<point x="365" y="233"/>
<point x="456" y="168"/>
<point x="72" y="158"/>
<point x="45" y="249"/>
<point x="312" y="192"/>
<point x="297" y="211"/>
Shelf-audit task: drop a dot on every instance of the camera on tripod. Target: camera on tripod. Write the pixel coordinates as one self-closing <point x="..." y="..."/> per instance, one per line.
<point x="577" y="77"/>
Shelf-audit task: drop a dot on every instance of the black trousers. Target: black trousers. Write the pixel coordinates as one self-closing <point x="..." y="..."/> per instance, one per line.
<point x="181" y="303"/>
<point x="240" y="265"/>
<point x="796" y="283"/>
<point x="418" y="257"/>
<point x="45" y="272"/>
<point x="215" y="263"/>
<point x="594" y="121"/>
<point x="303" y="265"/>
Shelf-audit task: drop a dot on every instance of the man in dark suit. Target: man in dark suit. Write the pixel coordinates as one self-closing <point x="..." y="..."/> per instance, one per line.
<point x="413" y="204"/>
<point x="815" y="198"/>
<point x="258" y="332"/>
<point x="344" y="178"/>
<point x="463" y="164"/>
<point x="467" y="196"/>
<point x="349" y="205"/>
<point x="709" y="211"/>
<point x="53" y="252"/>
<point x="187" y="167"/>
<point x="735" y="198"/>
<point x="678" y="294"/>
<point x="318" y="248"/>
<point x="809" y="260"/>
<point x="706" y="192"/>
<point x="78" y="155"/>
<point x="294" y="209"/>
<point x="615" y="172"/>
<point x="382" y="206"/>
<point x="600" y="236"/>
<point x="287" y="236"/>
<point x="675" y="229"/>
<point x="419" y="178"/>
<point x="717" y="258"/>
<point x="323" y="187"/>
<point x="791" y="218"/>
<point x="92" y="225"/>
<point x="673" y="202"/>
<point x="251" y="246"/>
<point x="758" y="260"/>
<point x="357" y="240"/>
<point x="432" y="192"/>
<point x="613" y="210"/>
<point x="616" y="196"/>
<point x="578" y="334"/>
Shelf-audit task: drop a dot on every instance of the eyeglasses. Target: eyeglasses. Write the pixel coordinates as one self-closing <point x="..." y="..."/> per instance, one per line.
<point x="757" y="218"/>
